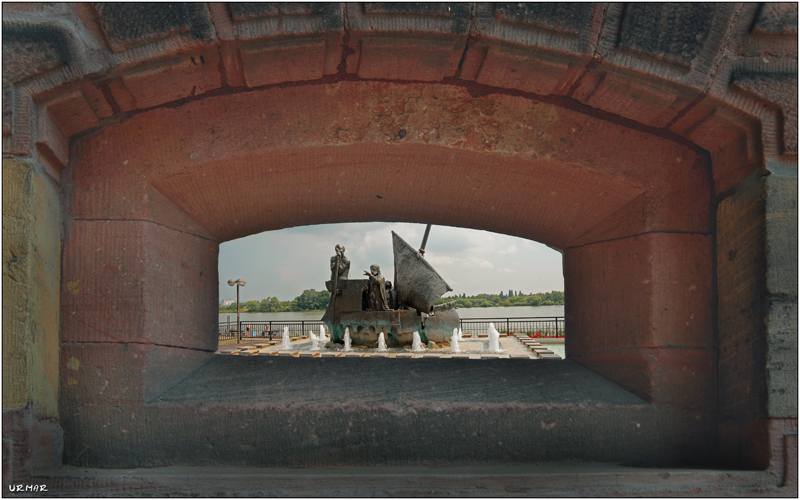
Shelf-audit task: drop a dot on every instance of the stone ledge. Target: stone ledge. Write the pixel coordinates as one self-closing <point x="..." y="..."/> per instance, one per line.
<point x="465" y="481"/>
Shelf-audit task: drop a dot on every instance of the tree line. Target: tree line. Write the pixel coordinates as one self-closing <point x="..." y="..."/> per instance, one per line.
<point x="312" y="300"/>
<point x="309" y="300"/>
<point x="512" y="298"/>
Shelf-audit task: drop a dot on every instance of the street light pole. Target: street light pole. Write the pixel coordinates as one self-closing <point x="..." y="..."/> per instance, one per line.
<point x="238" y="283"/>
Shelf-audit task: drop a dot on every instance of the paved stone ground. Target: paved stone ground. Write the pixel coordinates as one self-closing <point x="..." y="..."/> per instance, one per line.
<point x="471" y="348"/>
<point x="557" y="349"/>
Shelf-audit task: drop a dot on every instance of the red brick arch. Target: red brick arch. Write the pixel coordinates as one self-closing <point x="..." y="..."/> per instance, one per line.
<point x="628" y="206"/>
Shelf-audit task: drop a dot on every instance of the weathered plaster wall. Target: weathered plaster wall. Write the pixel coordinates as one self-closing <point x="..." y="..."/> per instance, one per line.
<point x="31" y="276"/>
<point x="31" y="279"/>
<point x="15" y="283"/>
<point x="781" y="254"/>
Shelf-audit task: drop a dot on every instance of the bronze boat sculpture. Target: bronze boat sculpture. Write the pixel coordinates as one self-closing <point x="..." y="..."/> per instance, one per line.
<point x="370" y="306"/>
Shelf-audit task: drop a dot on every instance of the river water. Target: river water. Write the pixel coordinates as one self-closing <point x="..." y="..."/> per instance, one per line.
<point x="472" y="312"/>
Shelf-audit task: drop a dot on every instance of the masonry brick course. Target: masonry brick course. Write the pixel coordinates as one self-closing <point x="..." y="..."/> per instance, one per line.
<point x="190" y="75"/>
<point x="127" y="289"/>
<point x="399" y="44"/>
<point x="641" y="286"/>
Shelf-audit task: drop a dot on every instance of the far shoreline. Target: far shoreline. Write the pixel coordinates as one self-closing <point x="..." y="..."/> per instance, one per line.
<point x="556" y="310"/>
<point x="460" y="308"/>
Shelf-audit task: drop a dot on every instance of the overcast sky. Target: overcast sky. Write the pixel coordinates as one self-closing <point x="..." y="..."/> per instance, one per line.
<point x="286" y="262"/>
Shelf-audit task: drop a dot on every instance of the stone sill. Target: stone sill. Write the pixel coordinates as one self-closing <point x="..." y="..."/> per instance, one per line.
<point x="273" y="411"/>
<point x="460" y="481"/>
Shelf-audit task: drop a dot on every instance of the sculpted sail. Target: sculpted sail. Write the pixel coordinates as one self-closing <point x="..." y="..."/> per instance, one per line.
<point x="418" y="284"/>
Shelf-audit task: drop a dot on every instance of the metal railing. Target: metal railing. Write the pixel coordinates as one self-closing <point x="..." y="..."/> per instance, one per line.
<point x="548" y="326"/>
<point x="227" y="334"/>
<point x="270" y="330"/>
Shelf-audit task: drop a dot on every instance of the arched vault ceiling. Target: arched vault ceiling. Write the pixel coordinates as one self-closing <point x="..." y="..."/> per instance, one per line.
<point x="237" y="164"/>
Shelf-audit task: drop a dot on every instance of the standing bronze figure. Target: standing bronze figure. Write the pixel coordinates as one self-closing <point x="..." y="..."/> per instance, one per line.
<point x="377" y="289"/>
<point x="340" y="265"/>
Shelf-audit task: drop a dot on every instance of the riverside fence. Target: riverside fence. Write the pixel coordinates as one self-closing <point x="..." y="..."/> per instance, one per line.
<point x="268" y="329"/>
<point x="549" y="326"/>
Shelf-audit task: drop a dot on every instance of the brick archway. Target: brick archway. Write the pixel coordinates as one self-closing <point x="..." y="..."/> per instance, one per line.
<point x="628" y="207"/>
<point x="640" y="161"/>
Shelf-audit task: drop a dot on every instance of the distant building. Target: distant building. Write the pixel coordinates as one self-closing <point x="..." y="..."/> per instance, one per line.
<point x="225" y="302"/>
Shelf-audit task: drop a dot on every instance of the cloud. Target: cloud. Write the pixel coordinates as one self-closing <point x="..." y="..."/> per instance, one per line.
<point x="483" y="263"/>
<point x="512" y="249"/>
<point x="447" y="261"/>
<point x="284" y="263"/>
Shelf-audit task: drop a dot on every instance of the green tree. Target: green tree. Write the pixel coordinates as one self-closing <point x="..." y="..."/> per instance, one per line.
<point x="275" y="305"/>
<point x="312" y="300"/>
<point x="323" y="298"/>
<point x="306" y="300"/>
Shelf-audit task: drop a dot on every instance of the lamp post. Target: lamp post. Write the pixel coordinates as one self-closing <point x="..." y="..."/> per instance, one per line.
<point x="238" y="283"/>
